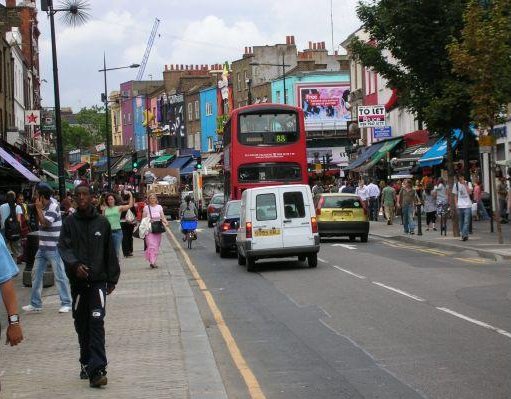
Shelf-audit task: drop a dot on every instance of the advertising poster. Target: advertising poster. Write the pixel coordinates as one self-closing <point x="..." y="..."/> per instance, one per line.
<point x="339" y="156"/>
<point x="324" y="106"/>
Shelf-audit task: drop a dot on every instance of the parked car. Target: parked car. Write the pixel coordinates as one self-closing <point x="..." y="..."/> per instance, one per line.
<point x="277" y="222"/>
<point x="215" y="206"/>
<point x="226" y="228"/>
<point x="341" y="215"/>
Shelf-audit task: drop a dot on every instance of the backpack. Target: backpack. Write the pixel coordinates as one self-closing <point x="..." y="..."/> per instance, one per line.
<point x="188" y="214"/>
<point x="12" y="226"/>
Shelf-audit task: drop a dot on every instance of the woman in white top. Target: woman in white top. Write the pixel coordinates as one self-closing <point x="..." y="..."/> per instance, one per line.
<point x="153" y="240"/>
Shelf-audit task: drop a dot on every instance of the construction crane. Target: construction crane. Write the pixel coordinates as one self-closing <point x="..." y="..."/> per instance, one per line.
<point x="143" y="64"/>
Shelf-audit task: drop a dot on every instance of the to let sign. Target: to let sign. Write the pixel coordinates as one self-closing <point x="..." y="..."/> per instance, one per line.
<point x="371" y="116"/>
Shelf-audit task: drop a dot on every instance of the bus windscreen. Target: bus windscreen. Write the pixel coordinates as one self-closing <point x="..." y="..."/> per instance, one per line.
<point x="268" y="128"/>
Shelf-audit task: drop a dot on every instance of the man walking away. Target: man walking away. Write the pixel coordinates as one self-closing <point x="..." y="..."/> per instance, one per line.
<point x="92" y="266"/>
<point x="349" y="189"/>
<point x="389" y="203"/>
<point x="502" y="195"/>
<point x="463" y="204"/>
<point x="50" y="223"/>
<point x="373" y="192"/>
<point x="11" y="215"/>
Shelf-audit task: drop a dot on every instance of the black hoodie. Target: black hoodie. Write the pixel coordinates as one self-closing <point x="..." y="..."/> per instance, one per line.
<point x="86" y="238"/>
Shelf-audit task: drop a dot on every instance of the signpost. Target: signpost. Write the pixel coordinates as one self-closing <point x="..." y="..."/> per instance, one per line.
<point x="371" y="116"/>
<point x="382" y="132"/>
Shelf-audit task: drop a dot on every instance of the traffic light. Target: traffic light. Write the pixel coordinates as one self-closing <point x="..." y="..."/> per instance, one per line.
<point x="198" y="163"/>
<point x="328" y="160"/>
<point x="134" y="160"/>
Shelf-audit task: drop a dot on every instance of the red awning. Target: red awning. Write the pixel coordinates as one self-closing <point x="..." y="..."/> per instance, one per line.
<point x="78" y="166"/>
<point x="417" y="137"/>
<point x="392" y="101"/>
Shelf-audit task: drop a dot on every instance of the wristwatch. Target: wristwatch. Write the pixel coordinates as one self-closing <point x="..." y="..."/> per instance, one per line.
<point x="14" y="319"/>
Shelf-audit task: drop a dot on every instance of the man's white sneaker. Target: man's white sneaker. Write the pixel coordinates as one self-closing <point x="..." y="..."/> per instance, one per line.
<point x="31" y="309"/>
<point x="65" y="309"/>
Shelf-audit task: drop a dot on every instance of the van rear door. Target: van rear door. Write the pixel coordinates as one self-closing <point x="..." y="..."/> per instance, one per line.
<point x="296" y="217"/>
<point x="266" y="220"/>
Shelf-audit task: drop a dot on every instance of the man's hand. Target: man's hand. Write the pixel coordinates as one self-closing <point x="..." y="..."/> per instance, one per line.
<point x="82" y="272"/>
<point x="14" y="335"/>
<point x="38" y="203"/>
<point x="110" y="288"/>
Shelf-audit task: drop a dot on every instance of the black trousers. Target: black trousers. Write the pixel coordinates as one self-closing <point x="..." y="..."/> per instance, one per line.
<point x="89" y="314"/>
<point x="127" y="238"/>
<point x="373" y="208"/>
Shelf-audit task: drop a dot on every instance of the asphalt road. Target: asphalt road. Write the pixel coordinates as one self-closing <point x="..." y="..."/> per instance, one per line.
<point x="376" y="320"/>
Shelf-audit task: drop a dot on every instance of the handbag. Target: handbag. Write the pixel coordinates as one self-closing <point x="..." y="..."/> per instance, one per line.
<point x="136" y="231"/>
<point x="130" y="217"/>
<point x="157" y="226"/>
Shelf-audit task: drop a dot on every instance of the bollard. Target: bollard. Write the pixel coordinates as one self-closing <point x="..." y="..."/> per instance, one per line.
<point x="419" y="220"/>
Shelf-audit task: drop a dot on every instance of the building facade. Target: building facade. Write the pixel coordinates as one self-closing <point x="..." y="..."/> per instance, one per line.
<point x="209" y="112"/>
<point x="114" y="100"/>
<point x="193" y="118"/>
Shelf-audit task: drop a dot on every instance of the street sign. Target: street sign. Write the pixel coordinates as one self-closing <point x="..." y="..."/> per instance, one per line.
<point x="485" y="149"/>
<point x="487" y="141"/>
<point x="371" y="116"/>
<point x="382" y="132"/>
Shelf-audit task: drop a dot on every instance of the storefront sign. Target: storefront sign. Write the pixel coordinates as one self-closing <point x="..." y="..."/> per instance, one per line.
<point x="371" y="116"/>
<point x="32" y="117"/>
<point x="382" y="132"/>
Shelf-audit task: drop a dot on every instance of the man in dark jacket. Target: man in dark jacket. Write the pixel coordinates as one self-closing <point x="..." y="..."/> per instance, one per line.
<point x="92" y="267"/>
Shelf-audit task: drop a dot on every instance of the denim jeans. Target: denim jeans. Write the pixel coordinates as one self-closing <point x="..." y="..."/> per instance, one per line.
<point x="42" y="258"/>
<point x="408" y="223"/>
<point x="464" y="215"/>
<point x="481" y="211"/>
<point x="117" y="241"/>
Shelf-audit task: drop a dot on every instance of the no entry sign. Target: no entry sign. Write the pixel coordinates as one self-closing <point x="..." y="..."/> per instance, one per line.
<point x="371" y="116"/>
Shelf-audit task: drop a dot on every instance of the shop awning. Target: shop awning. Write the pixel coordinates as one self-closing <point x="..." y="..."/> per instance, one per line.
<point x="188" y="169"/>
<point x="18" y="166"/>
<point x="212" y="160"/>
<point x="366" y="154"/>
<point x="54" y="184"/>
<point x="77" y="166"/>
<point x="180" y="162"/>
<point x="100" y="162"/>
<point x="163" y="160"/>
<point x="121" y="164"/>
<point x="435" y="155"/>
<point x="380" y="154"/>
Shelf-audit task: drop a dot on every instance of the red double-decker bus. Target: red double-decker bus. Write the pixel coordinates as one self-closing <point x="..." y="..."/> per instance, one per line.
<point x="264" y="145"/>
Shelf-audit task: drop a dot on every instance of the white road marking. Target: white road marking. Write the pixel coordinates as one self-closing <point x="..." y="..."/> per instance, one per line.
<point x="350" y="273"/>
<point x="414" y="297"/>
<point x="477" y="322"/>
<point x="347" y="246"/>
<point x="322" y="260"/>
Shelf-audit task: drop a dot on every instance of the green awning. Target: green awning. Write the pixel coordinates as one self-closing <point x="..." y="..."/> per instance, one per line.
<point x="51" y="167"/>
<point x="380" y="154"/>
<point x="121" y="164"/>
<point x="164" y="159"/>
<point x="55" y="185"/>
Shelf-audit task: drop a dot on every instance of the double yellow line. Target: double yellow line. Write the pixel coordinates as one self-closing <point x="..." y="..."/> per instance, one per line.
<point x="248" y="376"/>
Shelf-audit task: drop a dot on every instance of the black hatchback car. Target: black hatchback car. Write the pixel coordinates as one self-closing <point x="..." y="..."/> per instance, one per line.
<point x="226" y="228"/>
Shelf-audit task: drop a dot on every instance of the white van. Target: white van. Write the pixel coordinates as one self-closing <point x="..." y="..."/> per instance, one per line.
<point x="277" y="222"/>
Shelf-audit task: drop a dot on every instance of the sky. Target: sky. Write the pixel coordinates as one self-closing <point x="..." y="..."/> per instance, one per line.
<point x="190" y="32"/>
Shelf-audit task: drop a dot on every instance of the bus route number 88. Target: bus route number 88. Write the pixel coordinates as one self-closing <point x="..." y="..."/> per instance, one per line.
<point x="280" y="138"/>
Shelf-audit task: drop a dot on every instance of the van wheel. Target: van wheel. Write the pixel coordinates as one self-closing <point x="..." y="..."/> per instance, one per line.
<point x="352" y="238"/>
<point x="251" y="265"/>
<point x="312" y="260"/>
<point x="301" y="258"/>
<point x="242" y="261"/>
<point x="223" y="252"/>
<point x="364" y="237"/>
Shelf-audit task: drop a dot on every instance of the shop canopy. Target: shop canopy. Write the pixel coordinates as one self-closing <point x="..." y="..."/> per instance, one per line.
<point x="51" y="168"/>
<point x="54" y="184"/>
<point x="366" y="154"/>
<point x="163" y="160"/>
<point x="18" y="166"/>
<point x="100" y="162"/>
<point x="188" y="169"/>
<point x="381" y="153"/>
<point x="180" y="162"/>
<point x="121" y="164"/>
<point x="78" y="166"/>
<point x="436" y="154"/>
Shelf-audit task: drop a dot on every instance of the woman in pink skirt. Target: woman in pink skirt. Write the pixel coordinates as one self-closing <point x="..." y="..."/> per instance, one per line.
<point x="154" y="211"/>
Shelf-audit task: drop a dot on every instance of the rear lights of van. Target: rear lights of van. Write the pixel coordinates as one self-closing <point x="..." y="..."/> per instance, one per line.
<point x="320" y="204"/>
<point x="314" y="225"/>
<point x="248" y="229"/>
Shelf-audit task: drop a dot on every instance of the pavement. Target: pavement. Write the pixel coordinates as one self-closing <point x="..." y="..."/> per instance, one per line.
<point x="157" y="344"/>
<point x="481" y="241"/>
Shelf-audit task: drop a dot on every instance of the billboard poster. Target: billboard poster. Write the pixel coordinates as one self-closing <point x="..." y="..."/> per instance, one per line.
<point x="339" y="156"/>
<point x="324" y="105"/>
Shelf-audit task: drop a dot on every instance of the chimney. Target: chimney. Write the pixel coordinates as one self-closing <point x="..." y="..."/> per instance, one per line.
<point x="182" y="67"/>
<point x="310" y="45"/>
<point x="336" y="52"/>
<point x="293" y="40"/>
<point x="166" y="67"/>
<point x="314" y="45"/>
<point x="288" y="41"/>
<point x="251" y="50"/>
<point x="324" y="46"/>
<point x="10" y="3"/>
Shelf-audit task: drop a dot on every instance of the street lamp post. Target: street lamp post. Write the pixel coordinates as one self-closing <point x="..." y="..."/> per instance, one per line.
<point x="108" y="135"/>
<point x="75" y="14"/>
<point x="283" y="65"/>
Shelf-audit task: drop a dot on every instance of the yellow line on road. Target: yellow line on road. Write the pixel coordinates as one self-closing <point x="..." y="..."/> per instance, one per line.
<point x="416" y="248"/>
<point x="474" y="260"/>
<point x="248" y="376"/>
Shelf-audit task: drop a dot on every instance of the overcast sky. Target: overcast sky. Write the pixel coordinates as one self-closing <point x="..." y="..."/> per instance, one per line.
<point x="191" y="32"/>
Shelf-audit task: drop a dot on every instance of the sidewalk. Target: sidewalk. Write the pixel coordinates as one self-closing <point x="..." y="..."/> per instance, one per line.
<point x="484" y="243"/>
<point x="156" y="341"/>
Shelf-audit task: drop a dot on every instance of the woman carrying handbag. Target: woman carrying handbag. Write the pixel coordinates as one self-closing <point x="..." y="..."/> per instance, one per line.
<point x="158" y="224"/>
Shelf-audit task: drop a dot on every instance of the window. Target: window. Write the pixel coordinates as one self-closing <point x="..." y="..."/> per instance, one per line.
<point x="246" y="79"/>
<point x="209" y="109"/>
<point x="238" y="81"/>
<point x="190" y="111"/>
<point x="233" y="210"/>
<point x="129" y="118"/>
<point x="197" y="141"/>
<point x="227" y="133"/>
<point x="190" y="138"/>
<point x="277" y="96"/>
<point x="266" y="207"/>
<point x="268" y="129"/>
<point x="260" y="172"/>
<point x="293" y="205"/>
<point x="197" y="110"/>
<point x="210" y="143"/>
<point x="341" y="202"/>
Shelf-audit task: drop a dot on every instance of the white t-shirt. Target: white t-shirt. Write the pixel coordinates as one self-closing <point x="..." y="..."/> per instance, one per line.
<point x="5" y="211"/>
<point x="464" y="200"/>
<point x="362" y="192"/>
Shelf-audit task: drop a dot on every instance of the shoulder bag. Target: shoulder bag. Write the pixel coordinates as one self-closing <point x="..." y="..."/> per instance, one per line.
<point x="157" y="226"/>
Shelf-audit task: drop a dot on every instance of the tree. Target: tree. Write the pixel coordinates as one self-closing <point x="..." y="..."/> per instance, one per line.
<point x="93" y="120"/>
<point x="483" y="56"/>
<point x="75" y="137"/>
<point x="408" y="47"/>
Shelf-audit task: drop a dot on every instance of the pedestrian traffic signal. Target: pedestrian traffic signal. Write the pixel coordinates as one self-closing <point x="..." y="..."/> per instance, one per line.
<point x="134" y="160"/>
<point x="328" y="160"/>
<point x="198" y="163"/>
